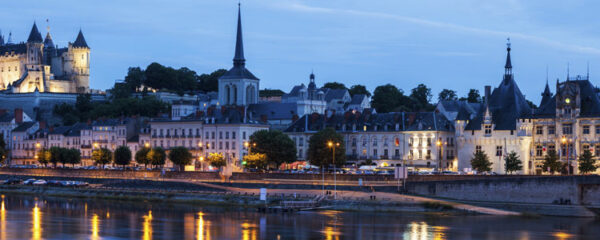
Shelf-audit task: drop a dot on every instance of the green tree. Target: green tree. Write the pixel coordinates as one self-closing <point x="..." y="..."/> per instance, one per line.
<point x="270" y="93"/>
<point x="447" y="95"/>
<point x="334" y="85"/>
<point x="180" y="156"/>
<point x="71" y="156"/>
<point x="320" y="154"/>
<point x="55" y="155"/>
<point x="551" y="162"/>
<point x="43" y="156"/>
<point x="255" y="161"/>
<point x="512" y="162"/>
<point x="3" y="150"/>
<point x="101" y="156"/>
<point x="210" y="82"/>
<point x="216" y="160"/>
<point x="122" y="156"/>
<point x="472" y="97"/>
<point x="386" y="98"/>
<point x="278" y="146"/>
<point x="587" y="163"/>
<point x="481" y="162"/>
<point x="422" y="96"/>
<point x="359" y="89"/>
<point x="157" y="156"/>
<point x="141" y="156"/>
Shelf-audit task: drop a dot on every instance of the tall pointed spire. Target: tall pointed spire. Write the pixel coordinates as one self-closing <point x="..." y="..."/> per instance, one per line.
<point x="1" y="39"/>
<point x="9" y="40"/>
<point x="35" y="36"/>
<point x="80" y="41"/>
<point x="508" y="65"/>
<point x="238" y="59"/>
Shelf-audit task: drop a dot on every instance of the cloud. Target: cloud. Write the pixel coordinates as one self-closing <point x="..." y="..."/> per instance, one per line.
<point x="446" y="26"/>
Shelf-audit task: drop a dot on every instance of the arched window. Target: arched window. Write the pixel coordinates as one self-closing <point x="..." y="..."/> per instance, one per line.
<point x="227" y="95"/>
<point x="235" y="94"/>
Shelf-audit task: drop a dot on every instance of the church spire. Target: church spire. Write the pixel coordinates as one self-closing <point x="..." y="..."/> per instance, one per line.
<point x="238" y="59"/>
<point x="35" y="36"/>
<point x="508" y="65"/>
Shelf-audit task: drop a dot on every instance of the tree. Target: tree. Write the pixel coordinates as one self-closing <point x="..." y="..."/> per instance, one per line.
<point x="72" y="156"/>
<point x="122" y="156"/>
<point x="472" y="97"/>
<point x="3" y="150"/>
<point x="180" y="156"/>
<point x="481" y="162"/>
<point x="255" y="161"/>
<point x="101" y="156"/>
<point x="216" y="160"/>
<point x="320" y="154"/>
<point x="141" y="156"/>
<point x="422" y="96"/>
<point x="359" y="89"/>
<point x="334" y="85"/>
<point x="270" y="93"/>
<point x="447" y="95"/>
<point x="551" y="163"/>
<point x="386" y="98"/>
<point x="55" y="155"/>
<point x="277" y="146"/>
<point x="587" y="163"/>
<point x="157" y="156"/>
<point x="512" y="162"/>
<point x="210" y="82"/>
<point x="43" y="156"/>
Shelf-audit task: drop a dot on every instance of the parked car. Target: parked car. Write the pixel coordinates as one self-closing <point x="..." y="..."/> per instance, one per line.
<point x="29" y="181"/>
<point x="12" y="181"/>
<point x="39" y="182"/>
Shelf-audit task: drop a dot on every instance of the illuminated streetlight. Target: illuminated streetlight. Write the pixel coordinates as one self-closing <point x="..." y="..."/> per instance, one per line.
<point x="333" y="146"/>
<point x="199" y="144"/>
<point x="147" y="144"/>
<point x="38" y="145"/>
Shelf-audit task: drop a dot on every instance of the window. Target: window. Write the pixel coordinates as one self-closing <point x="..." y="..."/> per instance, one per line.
<point x="428" y="156"/>
<point x="410" y="142"/>
<point x="568" y="128"/>
<point x="488" y="129"/>
<point x="212" y="134"/>
<point x="478" y="148"/>
<point x="232" y="135"/>
<point x="301" y="142"/>
<point x="220" y="135"/>
<point x="244" y="135"/>
<point x="354" y="142"/>
<point x="551" y="130"/>
<point x="586" y="147"/>
<point x="498" y="151"/>
<point x="220" y="145"/>
<point x="539" y="130"/>
<point x="586" y="129"/>
<point x="597" y="129"/>
<point x="597" y="150"/>
<point x="226" y="135"/>
<point x="375" y="153"/>
<point x="375" y="142"/>
<point x="397" y="152"/>
<point x="538" y="151"/>
<point x="385" y="153"/>
<point x="227" y="145"/>
<point x="233" y="145"/>
<point x="429" y="142"/>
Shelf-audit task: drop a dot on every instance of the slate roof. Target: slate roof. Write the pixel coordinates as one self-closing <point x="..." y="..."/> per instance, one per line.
<point x="590" y="102"/>
<point x="7" y="117"/>
<point x="358" y="99"/>
<point x="331" y="94"/>
<point x="48" y="43"/>
<point x="273" y="110"/>
<point x="20" y="48"/>
<point x="23" y="127"/>
<point x="80" y="41"/>
<point x="110" y="122"/>
<point x="35" y="36"/>
<point x="375" y="122"/>
<point x="239" y="71"/>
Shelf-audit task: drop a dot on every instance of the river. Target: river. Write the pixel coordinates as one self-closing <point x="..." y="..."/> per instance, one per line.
<point x="30" y="217"/>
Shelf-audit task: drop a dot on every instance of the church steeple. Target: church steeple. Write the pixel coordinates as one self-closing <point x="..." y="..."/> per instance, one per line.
<point x="35" y="36"/>
<point x="508" y="65"/>
<point x="546" y="95"/>
<point x="238" y="59"/>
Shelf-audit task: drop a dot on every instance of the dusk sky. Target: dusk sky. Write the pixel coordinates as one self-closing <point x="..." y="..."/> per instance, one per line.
<point x="458" y="44"/>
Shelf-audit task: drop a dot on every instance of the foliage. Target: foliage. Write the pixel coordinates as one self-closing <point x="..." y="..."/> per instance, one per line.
<point x="210" y="82"/>
<point x="55" y="155"/>
<point x="71" y="156"/>
<point x="447" y="95"/>
<point x="270" y="93"/>
<point x="334" y="85"/>
<point x="587" y="163"/>
<point x="3" y="150"/>
<point x="512" y="162"/>
<point x="43" y="156"/>
<point x="101" y="156"/>
<point x="255" y="161"/>
<point x="386" y="98"/>
<point x="180" y="156"/>
<point x="359" y="89"/>
<point x="320" y="154"/>
<point x="216" y="160"/>
<point x="472" y="97"/>
<point x="421" y="96"/>
<point x="277" y="146"/>
<point x="122" y="155"/>
<point x="157" y="156"/>
<point x="481" y="162"/>
<point x="551" y="163"/>
<point x="141" y="156"/>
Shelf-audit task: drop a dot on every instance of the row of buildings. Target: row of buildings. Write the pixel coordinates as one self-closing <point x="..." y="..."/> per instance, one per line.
<point x="567" y="121"/>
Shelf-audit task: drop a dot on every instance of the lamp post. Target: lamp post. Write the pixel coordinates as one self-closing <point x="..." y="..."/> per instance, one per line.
<point x="333" y="145"/>
<point x="440" y="149"/>
<point x="566" y="142"/>
<point x="200" y="155"/>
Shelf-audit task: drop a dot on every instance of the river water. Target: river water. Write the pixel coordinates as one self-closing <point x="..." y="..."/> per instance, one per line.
<point x="30" y="217"/>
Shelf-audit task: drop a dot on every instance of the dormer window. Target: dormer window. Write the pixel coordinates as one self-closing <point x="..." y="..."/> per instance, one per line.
<point x="488" y="129"/>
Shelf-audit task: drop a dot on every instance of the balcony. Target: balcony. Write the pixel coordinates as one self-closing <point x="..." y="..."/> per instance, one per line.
<point x="86" y="146"/>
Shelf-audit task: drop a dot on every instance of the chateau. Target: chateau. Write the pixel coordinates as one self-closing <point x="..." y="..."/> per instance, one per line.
<point x="40" y="65"/>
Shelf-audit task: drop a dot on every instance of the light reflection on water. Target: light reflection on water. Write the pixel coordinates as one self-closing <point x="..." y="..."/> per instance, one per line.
<point x="53" y="218"/>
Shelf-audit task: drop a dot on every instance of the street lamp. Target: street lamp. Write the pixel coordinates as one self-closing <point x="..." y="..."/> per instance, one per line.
<point x="440" y="149"/>
<point x="147" y="145"/>
<point x="566" y="142"/>
<point x="333" y="145"/>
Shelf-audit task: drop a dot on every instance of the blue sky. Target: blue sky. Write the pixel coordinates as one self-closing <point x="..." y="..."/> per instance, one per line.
<point x="457" y="44"/>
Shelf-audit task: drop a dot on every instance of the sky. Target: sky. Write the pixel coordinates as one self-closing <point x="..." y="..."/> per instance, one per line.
<point x="459" y="44"/>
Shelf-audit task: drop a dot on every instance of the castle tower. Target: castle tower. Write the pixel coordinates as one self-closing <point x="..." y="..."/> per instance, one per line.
<point x="238" y="86"/>
<point x="35" y="46"/>
<point x="49" y="49"/>
<point x="80" y="69"/>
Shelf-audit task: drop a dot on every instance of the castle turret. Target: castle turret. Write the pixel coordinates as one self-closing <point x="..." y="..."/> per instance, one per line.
<point x="35" y="46"/>
<point x="49" y="49"/>
<point x="81" y="63"/>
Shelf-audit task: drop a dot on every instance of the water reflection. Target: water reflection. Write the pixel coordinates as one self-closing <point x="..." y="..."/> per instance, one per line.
<point x="147" y="226"/>
<point x="36" y="223"/>
<point x="2" y="220"/>
<point x="200" y="234"/>
<point x="95" y="224"/>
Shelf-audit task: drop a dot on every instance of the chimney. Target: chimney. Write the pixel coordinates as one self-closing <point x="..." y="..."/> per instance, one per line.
<point x="263" y="118"/>
<point x="18" y="115"/>
<point x="42" y="124"/>
<point x="488" y="90"/>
